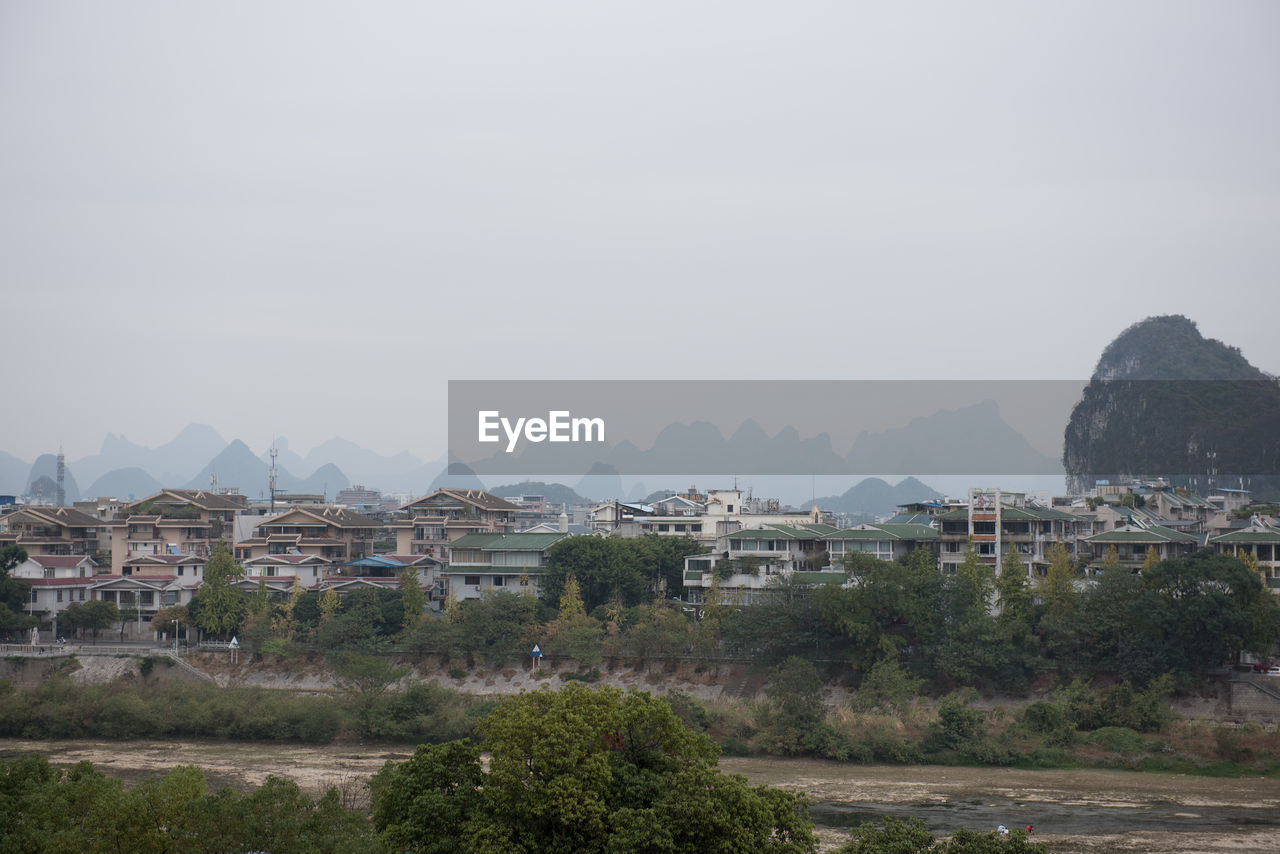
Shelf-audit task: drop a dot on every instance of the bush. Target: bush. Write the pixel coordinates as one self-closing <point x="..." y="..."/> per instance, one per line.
<point x="1120" y="740"/>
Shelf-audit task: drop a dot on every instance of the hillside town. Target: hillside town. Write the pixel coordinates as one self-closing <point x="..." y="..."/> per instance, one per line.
<point x="149" y="554"/>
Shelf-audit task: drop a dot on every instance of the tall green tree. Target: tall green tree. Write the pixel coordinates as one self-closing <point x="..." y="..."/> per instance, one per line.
<point x="220" y="605"/>
<point x="412" y="597"/>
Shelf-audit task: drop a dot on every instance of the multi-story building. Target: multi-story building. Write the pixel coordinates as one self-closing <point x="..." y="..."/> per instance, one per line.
<point x="1261" y="539"/>
<point x="174" y="522"/>
<point x="993" y="520"/>
<point x="750" y="560"/>
<point x="50" y="531"/>
<point x="430" y="523"/>
<point x="335" y="533"/>
<point x="1132" y="542"/>
<point x="480" y="562"/>
<point x="722" y="512"/>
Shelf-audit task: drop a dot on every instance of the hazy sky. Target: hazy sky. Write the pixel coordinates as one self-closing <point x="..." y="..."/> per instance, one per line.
<point x="303" y="218"/>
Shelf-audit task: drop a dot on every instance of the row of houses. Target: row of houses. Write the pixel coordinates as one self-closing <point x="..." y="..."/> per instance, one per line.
<point x="464" y="543"/>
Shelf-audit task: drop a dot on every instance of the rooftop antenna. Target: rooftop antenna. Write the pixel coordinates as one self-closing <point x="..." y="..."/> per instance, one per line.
<point x="62" y="476"/>
<point x="271" y="479"/>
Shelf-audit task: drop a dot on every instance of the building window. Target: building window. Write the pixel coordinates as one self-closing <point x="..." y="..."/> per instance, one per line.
<point x="499" y="580"/>
<point x="81" y="594"/>
<point x="472" y="580"/>
<point x="180" y="571"/>
<point x="59" y="595"/>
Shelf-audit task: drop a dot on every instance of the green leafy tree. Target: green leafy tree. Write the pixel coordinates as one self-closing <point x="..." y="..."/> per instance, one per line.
<point x="220" y="605"/>
<point x="14" y="593"/>
<point x="91" y="616"/>
<point x="886" y="686"/>
<point x="425" y="805"/>
<point x="363" y="684"/>
<point x="794" y="708"/>
<point x="583" y="770"/>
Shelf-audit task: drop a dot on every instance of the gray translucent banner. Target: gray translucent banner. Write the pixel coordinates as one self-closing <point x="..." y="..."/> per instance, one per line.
<point x="855" y="427"/>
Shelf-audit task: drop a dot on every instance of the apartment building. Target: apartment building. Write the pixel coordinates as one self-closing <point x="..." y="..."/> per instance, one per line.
<point x="50" y="531"/>
<point x="1261" y="539"/>
<point x="481" y="562"/>
<point x="334" y="533"/>
<point x="174" y="522"/>
<point x="995" y="520"/>
<point x="429" y="524"/>
<point x="721" y="512"/>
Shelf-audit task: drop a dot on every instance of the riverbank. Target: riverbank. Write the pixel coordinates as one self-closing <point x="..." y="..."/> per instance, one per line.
<point x="1076" y="811"/>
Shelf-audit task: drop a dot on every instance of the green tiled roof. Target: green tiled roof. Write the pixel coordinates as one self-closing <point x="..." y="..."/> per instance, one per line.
<point x="1041" y="514"/>
<point x="1248" y="536"/>
<point x="1145" y="535"/>
<point x="507" y="542"/>
<point x="774" y="532"/>
<point x="887" y="532"/>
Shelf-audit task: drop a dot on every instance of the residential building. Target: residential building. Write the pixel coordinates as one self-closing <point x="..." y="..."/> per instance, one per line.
<point x="480" y="562"/>
<point x="1261" y="539"/>
<point x="1132" y="542"/>
<point x="185" y="568"/>
<point x="335" y="533"/>
<point x="50" y="531"/>
<point x="430" y="523"/>
<point x="722" y="512"/>
<point x="995" y="520"/>
<point x="309" y="569"/>
<point x="810" y="554"/>
<point x="174" y="522"/>
<point x="55" y="566"/>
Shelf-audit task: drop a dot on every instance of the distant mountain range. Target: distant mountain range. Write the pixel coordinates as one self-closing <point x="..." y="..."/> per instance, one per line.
<point x="973" y="439"/>
<point x="875" y="497"/>
<point x="198" y="456"/>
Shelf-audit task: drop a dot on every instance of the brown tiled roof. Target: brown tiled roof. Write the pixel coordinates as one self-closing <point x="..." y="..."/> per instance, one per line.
<point x="338" y="516"/>
<point x="62" y="515"/>
<point x="62" y="582"/>
<point x="290" y="559"/>
<point x="476" y="497"/>
<point x="198" y="497"/>
<point x="164" y="560"/>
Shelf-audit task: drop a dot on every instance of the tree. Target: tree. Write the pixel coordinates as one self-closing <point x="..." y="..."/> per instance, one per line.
<point x="220" y="605"/>
<point x="573" y="632"/>
<point x="412" y="598"/>
<point x="1014" y="592"/>
<point x="1111" y="561"/>
<point x="329" y="605"/>
<point x="887" y="686"/>
<point x="795" y="708"/>
<point x="1058" y="592"/>
<point x="583" y="770"/>
<point x="14" y="593"/>
<point x="363" y="681"/>
<point x="91" y="616"/>
<point x="164" y="619"/>
<point x="1150" y="561"/>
